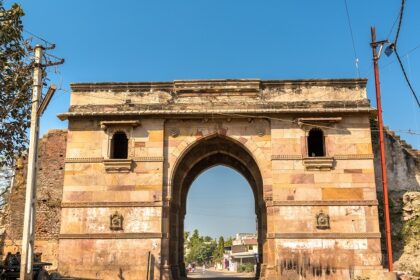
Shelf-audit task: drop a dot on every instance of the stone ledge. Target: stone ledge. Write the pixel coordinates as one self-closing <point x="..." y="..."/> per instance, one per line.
<point x="117" y="165"/>
<point x="324" y="235"/>
<point x="318" y="163"/>
<point x="121" y="235"/>
<point x="322" y="203"/>
<point x="106" y="204"/>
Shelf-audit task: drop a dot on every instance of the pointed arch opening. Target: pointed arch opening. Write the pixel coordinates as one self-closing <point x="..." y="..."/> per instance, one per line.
<point x="204" y="154"/>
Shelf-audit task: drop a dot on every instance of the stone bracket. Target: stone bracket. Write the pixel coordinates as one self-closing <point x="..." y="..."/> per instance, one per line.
<point x="317" y="121"/>
<point x="118" y="165"/>
<point x="318" y="163"/>
<point x="133" y="123"/>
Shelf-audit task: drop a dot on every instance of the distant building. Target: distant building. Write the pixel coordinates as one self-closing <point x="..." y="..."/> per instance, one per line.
<point x="244" y="250"/>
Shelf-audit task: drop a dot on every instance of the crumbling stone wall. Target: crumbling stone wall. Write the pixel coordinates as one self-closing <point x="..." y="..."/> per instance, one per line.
<point x="51" y="155"/>
<point x="403" y="171"/>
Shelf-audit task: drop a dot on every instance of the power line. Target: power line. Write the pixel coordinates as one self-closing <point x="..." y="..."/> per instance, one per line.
<point x="404" y="55"/>
<point x="406" y="77"/>
<point x="352" y="38"/>
<point x="38" y="37"/>
<point x="393" y="25"/>
<point x="394" y="47"/>
<point x="400" y="22"/>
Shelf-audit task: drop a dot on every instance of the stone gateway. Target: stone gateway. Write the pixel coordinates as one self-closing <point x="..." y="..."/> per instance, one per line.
<point x="134" y="149"/>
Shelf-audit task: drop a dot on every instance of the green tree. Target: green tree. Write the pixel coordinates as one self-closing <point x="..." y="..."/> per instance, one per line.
<point x="200" y="249"/>
<point x="229" y="242"/>
<point x="15" y="84"/>
<point x="220" y="250"/>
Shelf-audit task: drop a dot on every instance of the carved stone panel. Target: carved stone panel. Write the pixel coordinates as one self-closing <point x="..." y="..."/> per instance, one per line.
<point x="116" y="221"/>
<point x="322" y="220"/>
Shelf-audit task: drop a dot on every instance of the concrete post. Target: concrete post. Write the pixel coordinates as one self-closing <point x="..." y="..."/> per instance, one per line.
<point x="30" y="200"/>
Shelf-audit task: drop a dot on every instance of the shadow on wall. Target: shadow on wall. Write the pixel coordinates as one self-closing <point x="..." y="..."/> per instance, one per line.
<point x="151" y="265"/>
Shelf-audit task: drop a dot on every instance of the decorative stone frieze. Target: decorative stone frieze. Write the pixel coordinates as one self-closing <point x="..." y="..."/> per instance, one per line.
<point x="117" y="235"/>
<point x="323" y="235"/>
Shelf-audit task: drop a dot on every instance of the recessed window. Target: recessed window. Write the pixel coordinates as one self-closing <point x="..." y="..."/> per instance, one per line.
<point x="119" y="146"/>
<point x="316" y="146"/>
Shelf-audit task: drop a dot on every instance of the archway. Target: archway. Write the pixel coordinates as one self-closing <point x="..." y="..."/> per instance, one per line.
<point x="205" y="153"/>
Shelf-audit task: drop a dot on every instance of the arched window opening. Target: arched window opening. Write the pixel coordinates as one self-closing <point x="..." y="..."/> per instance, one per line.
<point x="119" y="146"/>
<point x="316" y="146"/>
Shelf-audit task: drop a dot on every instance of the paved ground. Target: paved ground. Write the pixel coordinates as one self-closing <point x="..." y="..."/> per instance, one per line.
<point x="220" y="275"/>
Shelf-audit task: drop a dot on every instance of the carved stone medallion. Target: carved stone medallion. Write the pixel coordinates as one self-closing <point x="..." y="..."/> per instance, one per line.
<point x="322" y="220"/>
<point x="116" y="221"/>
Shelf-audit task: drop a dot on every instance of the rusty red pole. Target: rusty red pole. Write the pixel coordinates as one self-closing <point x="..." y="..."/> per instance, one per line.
<point x="374" y="45"/>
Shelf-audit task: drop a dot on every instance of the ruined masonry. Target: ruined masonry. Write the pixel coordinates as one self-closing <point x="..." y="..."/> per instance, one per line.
<point x="134" y="149"/>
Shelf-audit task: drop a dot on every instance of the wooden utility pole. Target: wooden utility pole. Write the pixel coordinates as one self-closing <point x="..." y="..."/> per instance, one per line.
<point x="376" y="56"/>
<point x="30" y="201"/>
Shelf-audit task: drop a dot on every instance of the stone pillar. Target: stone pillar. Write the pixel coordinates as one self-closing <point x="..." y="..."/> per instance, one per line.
<point x="166" y="273"/>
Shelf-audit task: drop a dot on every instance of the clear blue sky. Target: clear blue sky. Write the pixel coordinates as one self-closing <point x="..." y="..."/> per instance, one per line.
<point x="193" y="39"/>
<point x="220" y="202"/>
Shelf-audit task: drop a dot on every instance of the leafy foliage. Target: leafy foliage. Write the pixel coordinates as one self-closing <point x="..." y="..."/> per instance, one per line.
<point x="15" y="84"/>
<point x="219" y="251"/>
<point x="201" y="249"/>
<point x="247" y="267"/>
<point x="5" y="181"/>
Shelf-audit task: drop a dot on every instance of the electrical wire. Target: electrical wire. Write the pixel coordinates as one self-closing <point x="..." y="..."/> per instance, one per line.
<point x="38" y="37"/>
<point x="394" y="46"/>
<point x="404" y="55"/>
<point x="356" y="59"/>
<point x="406" y="78"/>
<point x="400" y="22"/>
<point x="393" y="25"/>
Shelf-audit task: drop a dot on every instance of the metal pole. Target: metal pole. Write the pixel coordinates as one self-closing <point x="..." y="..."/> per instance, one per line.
<point x="30" y="201"/>
<point x="374" y="45"/>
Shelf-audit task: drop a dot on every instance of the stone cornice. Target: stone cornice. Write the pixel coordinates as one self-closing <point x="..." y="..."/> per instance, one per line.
<point x="204" y="111"/>
<point x="182" y="86"/>
<point x="324" y="235"/>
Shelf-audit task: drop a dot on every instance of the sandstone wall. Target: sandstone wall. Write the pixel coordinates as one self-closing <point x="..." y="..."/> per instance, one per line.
<point x="51" y="152"/>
